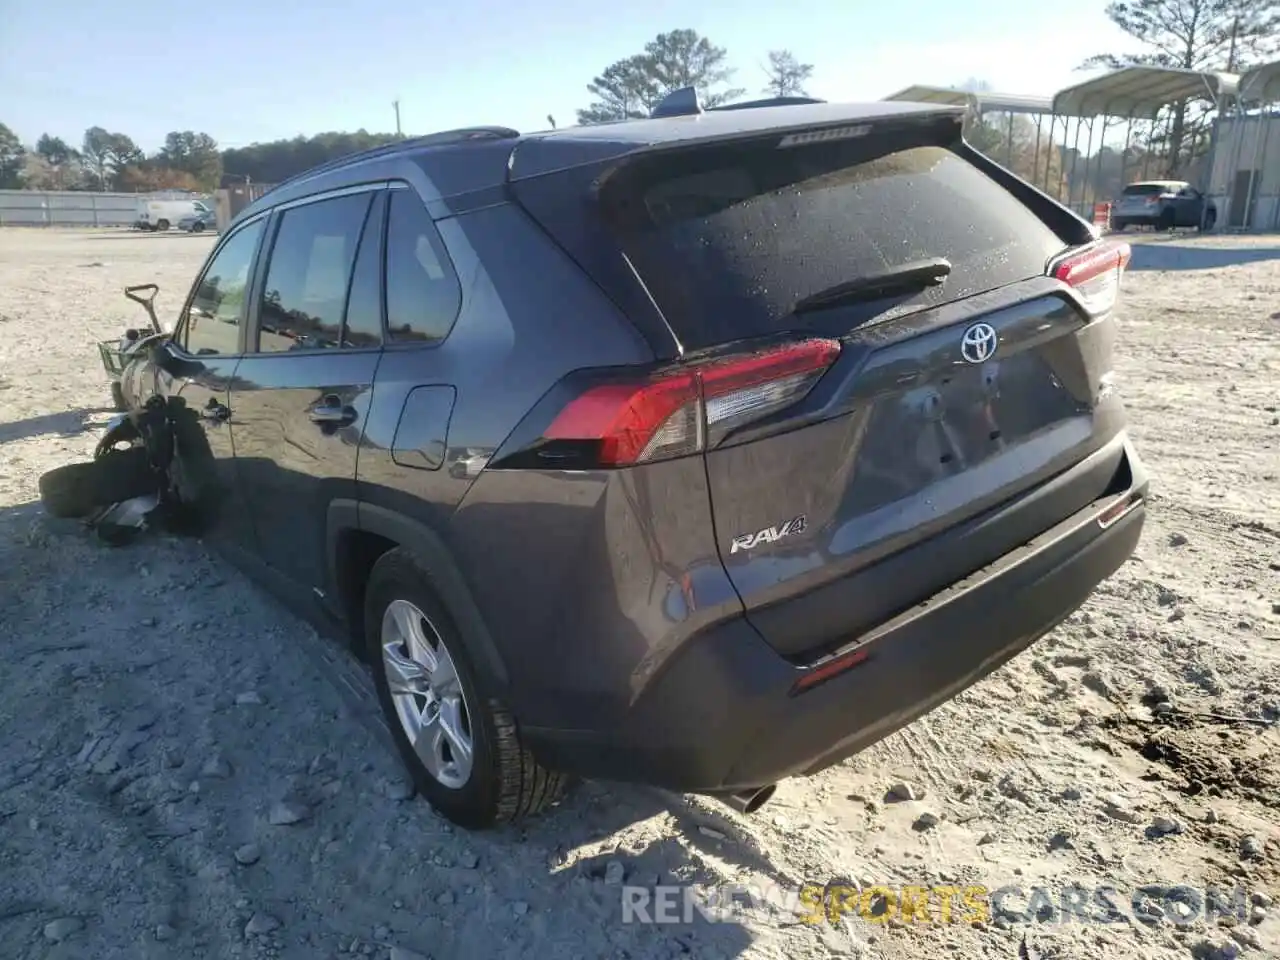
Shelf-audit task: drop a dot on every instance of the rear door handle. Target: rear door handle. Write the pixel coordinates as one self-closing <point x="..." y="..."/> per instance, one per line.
<point x="331" y="412"/>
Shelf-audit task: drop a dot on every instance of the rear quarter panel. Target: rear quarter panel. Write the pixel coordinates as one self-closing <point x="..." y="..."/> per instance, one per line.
<point x="527" y="318"/>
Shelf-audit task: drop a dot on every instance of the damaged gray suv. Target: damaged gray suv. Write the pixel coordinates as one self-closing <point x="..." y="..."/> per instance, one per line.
<point x="701" y="451"/>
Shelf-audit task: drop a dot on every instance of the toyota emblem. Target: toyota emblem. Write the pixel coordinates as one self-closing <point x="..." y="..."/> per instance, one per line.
<point x="979" y="343"/>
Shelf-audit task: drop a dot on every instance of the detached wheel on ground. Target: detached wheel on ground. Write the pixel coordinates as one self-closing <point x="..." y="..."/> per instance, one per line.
<point x="461" y="744"/>
<point x="78" y="489"/>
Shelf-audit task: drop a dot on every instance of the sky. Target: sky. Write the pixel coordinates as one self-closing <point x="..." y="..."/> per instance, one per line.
<point x="256" y="70"/>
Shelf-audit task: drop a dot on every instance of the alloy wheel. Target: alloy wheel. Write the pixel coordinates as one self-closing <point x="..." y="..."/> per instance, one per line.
<point x="427" y="694"/>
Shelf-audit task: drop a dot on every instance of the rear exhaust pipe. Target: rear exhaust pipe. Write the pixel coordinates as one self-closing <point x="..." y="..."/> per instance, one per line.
<point x="748" y="801"/>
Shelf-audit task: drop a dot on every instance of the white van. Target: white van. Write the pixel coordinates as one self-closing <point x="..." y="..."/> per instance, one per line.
<point x="158" y="214"/>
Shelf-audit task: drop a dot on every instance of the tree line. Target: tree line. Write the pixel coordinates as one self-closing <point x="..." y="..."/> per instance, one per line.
<point x="633" y="86"/>
<point x="1226" y="35"/>
<point x="106" y="161"/>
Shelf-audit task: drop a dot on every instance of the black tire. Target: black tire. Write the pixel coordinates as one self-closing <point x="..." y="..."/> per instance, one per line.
<point x="117" y="396"/>
<point x="78" y="489"/>
<point x="162" y="224"/>
<point x="1168" y="220"/>
<point x="198" y="227"/>
<point x="506" y="783"/>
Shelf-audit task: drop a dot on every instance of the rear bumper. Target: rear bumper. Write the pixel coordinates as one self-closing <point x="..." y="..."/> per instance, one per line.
<point x="724" y="714"/>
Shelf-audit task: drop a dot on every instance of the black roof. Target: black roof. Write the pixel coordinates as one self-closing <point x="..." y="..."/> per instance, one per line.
<point x="474" y="158"/>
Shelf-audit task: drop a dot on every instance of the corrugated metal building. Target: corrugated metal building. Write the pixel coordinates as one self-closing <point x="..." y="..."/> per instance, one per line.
<point x="1245" y="182"/>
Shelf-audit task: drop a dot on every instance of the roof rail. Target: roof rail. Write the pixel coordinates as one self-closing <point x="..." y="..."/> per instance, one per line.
<point x="441" y="138"/>
<point x="462" y="133"/>
<point x="768" y="102"/>
<point x="685" y="102"/>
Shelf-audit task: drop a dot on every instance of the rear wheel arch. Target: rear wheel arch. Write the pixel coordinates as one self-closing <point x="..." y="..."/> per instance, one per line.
<point x="360" y="533"/>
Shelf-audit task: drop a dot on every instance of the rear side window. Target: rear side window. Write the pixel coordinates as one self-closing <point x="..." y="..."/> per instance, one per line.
<point x="309" y="273"/>
<point x="728" y="239"/>
<point x="422" y="292"/>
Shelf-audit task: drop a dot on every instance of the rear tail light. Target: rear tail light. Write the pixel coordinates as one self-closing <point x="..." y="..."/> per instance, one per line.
<point x="686" y="410"/>
<point x="1095" y="272"/>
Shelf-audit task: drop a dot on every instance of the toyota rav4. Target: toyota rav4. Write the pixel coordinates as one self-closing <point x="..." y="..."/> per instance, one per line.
<point x="702" y="450"/>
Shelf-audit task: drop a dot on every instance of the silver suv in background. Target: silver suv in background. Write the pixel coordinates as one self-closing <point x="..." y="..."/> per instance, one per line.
<point x="1164" y="204"/>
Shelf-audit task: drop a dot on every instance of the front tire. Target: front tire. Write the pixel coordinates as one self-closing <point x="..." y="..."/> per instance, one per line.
<point x="162" y="225"/>
<point x="461" y="745"/>
<point x="78" y="489"/>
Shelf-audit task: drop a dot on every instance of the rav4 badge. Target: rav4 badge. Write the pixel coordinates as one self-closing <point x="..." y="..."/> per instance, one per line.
<point x="749" y="541"/>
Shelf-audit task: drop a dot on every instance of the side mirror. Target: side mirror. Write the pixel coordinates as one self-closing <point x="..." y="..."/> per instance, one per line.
<point x="164" y="358"/>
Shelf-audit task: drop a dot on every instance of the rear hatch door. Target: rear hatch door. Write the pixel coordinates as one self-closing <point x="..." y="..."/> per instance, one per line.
<point x="965" y="375"/>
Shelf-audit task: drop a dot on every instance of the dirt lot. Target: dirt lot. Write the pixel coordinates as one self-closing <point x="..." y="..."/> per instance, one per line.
<point x="155" y="710"/>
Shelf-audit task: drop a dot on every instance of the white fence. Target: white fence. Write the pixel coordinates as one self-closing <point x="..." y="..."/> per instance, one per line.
<point x="75" y="208"/>
<point x="66" y="208"/>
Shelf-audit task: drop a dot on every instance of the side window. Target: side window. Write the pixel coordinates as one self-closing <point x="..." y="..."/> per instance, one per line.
<point x="423" y="294"/>
<point x="364" y="303"/>
<point x="309" y="273"/>
<point x="213" y="321"/>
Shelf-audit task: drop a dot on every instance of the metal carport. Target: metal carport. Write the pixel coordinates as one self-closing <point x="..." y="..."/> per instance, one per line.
<point x="1126" y="95"/>
<point x="981" y="102"/>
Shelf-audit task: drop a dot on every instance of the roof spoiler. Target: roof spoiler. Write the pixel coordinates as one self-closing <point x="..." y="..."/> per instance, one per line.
<point x="685" y="102"/>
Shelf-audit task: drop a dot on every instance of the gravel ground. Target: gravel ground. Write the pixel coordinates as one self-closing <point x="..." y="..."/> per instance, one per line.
<point x="186" y="770"/>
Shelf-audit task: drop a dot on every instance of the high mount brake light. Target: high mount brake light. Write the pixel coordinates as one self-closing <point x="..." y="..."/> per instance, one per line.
<point x="688" y="409"/>
<point x="1095" y="272"/>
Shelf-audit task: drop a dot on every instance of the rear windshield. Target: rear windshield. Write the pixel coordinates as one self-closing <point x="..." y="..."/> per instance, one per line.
<point x="729" y="238"/>
<point x="1144" y="189"/>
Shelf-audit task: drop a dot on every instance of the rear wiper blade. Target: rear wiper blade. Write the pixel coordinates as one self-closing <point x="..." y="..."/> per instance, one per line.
<point x="910" y="276"/>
